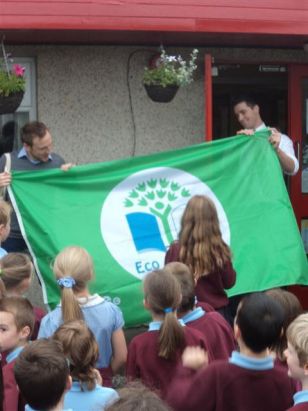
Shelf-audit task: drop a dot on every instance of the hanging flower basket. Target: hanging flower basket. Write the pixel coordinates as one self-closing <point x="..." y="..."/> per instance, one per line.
<point x="9" y="104"/>
<point x="12" y="84"/>
<point x="165" y="74"/>
<point x="161" y="94"/>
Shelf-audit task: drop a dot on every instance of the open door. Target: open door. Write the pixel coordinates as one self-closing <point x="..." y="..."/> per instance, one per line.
<point x="298" y="131"/>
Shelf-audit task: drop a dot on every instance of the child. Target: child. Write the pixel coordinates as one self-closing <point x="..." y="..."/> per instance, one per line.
<point x="297" y="359"/>
<point x="153" y="356"/>
<point x="217" y="332"/>
<point x="16" y="325"/>
<point x="16" y="273"/>
<point x="203" y="250"/>
<point x="5" y="224"/>
<point x="292" y="308"/>
<point x="136" y="397"/>
<point x="42" y="374"/>
<point x="81" y="350"/>
<point x="249" y="381"/>
<point x="73" y="268"/>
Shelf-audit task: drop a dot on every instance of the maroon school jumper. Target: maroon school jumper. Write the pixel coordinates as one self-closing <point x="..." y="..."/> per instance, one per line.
<point x="144" y="363"/>
<point x="303" y="406"/>
<point x="223" y="386"/>
<point x="39" y="313"/>
<point x="217" y="333"/>
<point x="211" y="287"/>
<point x="12" y="401"/>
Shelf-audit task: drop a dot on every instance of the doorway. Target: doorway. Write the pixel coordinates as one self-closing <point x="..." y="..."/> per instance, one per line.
<point x="267" y="83"/>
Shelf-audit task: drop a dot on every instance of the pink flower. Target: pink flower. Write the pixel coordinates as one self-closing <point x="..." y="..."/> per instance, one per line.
<point x="18" y="70"/>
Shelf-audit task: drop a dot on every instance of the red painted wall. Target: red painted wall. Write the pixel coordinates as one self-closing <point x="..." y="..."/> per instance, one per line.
<point x="224" y="16"/>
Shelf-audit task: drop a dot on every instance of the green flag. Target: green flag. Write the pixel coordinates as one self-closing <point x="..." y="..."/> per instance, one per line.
<point x="127" y="212"/>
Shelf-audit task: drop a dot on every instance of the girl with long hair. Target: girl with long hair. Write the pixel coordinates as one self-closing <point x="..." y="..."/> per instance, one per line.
<point x="81" y="350"/>
<point x="73" y="269"/>
<point x="202" y="248"/>
<point x="154" y="355"/>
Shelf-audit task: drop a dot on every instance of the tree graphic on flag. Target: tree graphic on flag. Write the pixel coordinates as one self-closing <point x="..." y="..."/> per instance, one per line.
<point x="156" y="196"/>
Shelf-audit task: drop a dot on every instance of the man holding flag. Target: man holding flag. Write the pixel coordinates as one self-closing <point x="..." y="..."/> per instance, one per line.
<point x="247" y="112"/>
<point x="34" y="155"/>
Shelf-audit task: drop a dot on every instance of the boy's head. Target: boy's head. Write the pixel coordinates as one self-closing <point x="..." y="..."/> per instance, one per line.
<point x="5" y="220"/>
<point x="186" y="280"/>
<point x="258" y="322"/>
<point x="297" y="351"/>
<point x="42" y="374"/>
<point x="16" y="322"/>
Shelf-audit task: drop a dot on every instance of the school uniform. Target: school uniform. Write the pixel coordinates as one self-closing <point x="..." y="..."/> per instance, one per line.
<point x="39" y="314"/>
<point x="144" y="363"/>
<point x="282" y="365"/>
<point x="210" y="288"/>
<point x="300" y="401"/>
<point x="206" y="307"/>
<point x="217" y="332"/>
<point x="241" y="384"/>
<point x="102" y="317"/>
<point x="89" y="400"/>
<point x="13" y="400"/>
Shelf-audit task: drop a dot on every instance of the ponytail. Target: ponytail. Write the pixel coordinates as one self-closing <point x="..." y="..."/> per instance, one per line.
<point x="73" y="268"/>
<point x="70" y="306"/>
<point x="163" y="295"/>
<point x="80" y="347"/>
<point x="171" y="336"/>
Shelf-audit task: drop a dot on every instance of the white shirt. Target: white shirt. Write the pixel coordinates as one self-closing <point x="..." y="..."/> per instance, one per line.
<point x="285" y="145"/>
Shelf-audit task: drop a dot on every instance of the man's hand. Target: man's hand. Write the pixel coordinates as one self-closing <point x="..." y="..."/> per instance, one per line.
<point x="67" y="166"/>
<point x="275" y="138"/>
<point x="194" y="358"/>
<point x="246" y="131"/>
<point x="5" y="179"/>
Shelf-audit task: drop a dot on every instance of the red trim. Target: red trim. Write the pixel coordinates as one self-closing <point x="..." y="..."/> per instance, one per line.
<point x="220" y="16"/>
<point x="296" y="74"/>
<point x="208" y="114"/>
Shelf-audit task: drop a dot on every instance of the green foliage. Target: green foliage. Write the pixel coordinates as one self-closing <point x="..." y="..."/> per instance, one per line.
<point x="171" y="70"/>
<point x="11" y="83"/>
<point x="152" y="193"/>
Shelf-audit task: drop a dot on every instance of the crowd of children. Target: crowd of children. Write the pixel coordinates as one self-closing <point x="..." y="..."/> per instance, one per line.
<point x="190" y="358"/>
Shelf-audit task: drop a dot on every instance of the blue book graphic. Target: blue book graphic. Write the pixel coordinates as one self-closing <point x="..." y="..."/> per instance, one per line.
<point x="145" y="232"/>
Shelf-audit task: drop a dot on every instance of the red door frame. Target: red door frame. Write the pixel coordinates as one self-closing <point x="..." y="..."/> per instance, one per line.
<point x="208" y="98"/>
<point x="299" y="201"/>
<point x="296" y="74"/>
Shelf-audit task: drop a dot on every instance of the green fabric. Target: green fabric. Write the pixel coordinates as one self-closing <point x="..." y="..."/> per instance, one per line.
<point x="105" y="207"/>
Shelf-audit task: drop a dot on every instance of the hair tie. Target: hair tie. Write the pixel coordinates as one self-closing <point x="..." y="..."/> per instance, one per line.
<point x="66" y="282"/>
<point x="168" y="310"/>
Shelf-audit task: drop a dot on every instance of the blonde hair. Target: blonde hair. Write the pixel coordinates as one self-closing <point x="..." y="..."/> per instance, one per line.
<point x="297" y="335"/>
<point x="14" y="268"/>
<point x="77" y="263"/>
<point x="201" y="246"/>
<point x="81" y="349"/>
<point x="5" y="212"/>
<point x="162" y="291"/>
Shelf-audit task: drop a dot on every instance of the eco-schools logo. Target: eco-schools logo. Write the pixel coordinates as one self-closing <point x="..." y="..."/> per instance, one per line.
<point x="141" y="216"/>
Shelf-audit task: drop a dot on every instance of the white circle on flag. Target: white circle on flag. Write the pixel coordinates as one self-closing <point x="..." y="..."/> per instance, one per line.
<point x="140" y="218"/>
